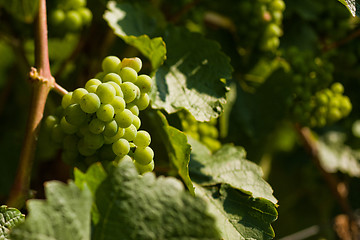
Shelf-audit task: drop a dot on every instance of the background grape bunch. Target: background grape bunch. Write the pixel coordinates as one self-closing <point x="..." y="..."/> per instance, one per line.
<point x="100" y="121"/>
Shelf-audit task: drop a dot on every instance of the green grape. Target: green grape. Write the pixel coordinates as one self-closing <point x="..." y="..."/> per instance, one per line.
<point x="70" y="143"/>
<point x="144" y="83"/>
<point x="121" y="147"/>
<point x="124" y="119"/>
<point x="66" y="100"/>
<point x="211" y="143"/>
<point x="112" y="77"/>
<point x="74" y="114"/>
<point x="133" y="108"/>
<point x="78" y="94"/>
<point x="74" y="4"/>
<point x="90" y="103"/>
<point x="105" y="112"/>
<point x="130" y="133"/>
<point x="117" y="89"/>
<point x="92" y="82"/>
<point x="83" y="130"/>
<point x="117" y="136"/>
<point x="334" y="114"/>
<point x="128" y="74"/>
<point x="57" y="134"/>
<point x="57" y="17"/>
<point x="92" y="88"/>
<point x="134" y="63"/>
<point x="111" y="64"/>
<point x="130" y="91"/>
<point x="50" y="121"/>
<point x="143" y="156"/>
<point x="120" y="159"/>
<point x="96" y="126"/>
<point x="143" y="102"/>
<point x="277" y="5"/>
<point x="111" y="128"/>
<point x="136" y="122"/>
<point x="73" y="20"/>
<point x="118" y="103"/>
<point x="144" y="168"/>
<point x="67" y="127"/>
<point x="94" y="141"/>
<point x="106" y="92"/>
<point x="337" y="88"/>
<point x="84" y="149"/>
<point x="142" y="139"/>
<point x="86" y="15"/>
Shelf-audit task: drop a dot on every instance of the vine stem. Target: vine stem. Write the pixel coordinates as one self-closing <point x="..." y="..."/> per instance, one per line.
<point x="42" y="83"/>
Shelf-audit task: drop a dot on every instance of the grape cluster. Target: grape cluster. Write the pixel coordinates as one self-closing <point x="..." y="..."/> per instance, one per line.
<point x="100" y="121"/>
<point x="313" y="102"/>
<point x="205" y="132"/>
<point x="70" y="15"/>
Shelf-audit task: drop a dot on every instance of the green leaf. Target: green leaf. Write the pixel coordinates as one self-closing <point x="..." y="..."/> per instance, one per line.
<point x="24" y="10"/>
<point x="65" y="214"/>
<point x="9" y="218"/>
<point x="190" y="77"/>
<point x="228" y="166"/>
<point x="336" y="156"/>
<point x="353" y="6"/>
<point x="132" y="206"/>
<point x="239" y="216"/>
<point x="134" y="24"/>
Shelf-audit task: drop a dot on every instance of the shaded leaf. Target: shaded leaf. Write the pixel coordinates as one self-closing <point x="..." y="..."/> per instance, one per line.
<point x="132" y="206"/>
<point x="9" y="218"/>
<point x="190" y="77"/>
<point x="239" y="216"/>
<point x="228" y="166"/>
<point x="65" y="214"/>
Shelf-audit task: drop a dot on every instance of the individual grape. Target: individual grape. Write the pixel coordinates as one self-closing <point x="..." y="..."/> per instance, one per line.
<point x="130" y="91"/>
<point x="75" y="115"/>
<point x="92" y="82"/>
<point x="74" y="4"/>
<point x="66" y="100"/>
<point x="121" y="147"/>
<point x="111" y="128"/>
<point x="84" y="149"/>
<point x="83" y="130"/>
<point x="124" y="119"/>
<point x="111" y="64"/>
<point x="106" y="92"/>
<point x="105" y="112"/>
<point x="73" y="20"/>
<point x="133" y="108"/>
<point x="122" y="158"/>
<point x="118" y="103"/>
<point x="117" y="89"/>
<point x="96" y="126"/>
<point x="86" y="15"/>
<point x="128" y="74"/>
<point x="130" y="133"/>
<point x="143" y="102"/>
<point x="50" y="121"/>
<point x="57" y="134"/>
<point x="94" y="141"/>
<point x="78" y="94"/>
<point x="143" y="156"/>
<point x="144" y="83"/>
<point x="67" y="127"/>
<point x="142" y="139"/>
<point x="57" y="16"/>
<point x="337" y="88"/>
<point x="136" y="122"/>
<point x="134" y="63"/>
<point x="144" y="168"/>
<point x="117" y="136"/>
<point x="112" y="77"/>
<point x="92" y="88"/>
<point x="90" y="103"/>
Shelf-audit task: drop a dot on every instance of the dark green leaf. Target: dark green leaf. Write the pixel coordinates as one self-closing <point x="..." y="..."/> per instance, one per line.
<point x="24" y="10"/>
<point x="228" y="166"/>
<point x="9" y="218"/>
<point x="132" y="206"/>
<point x="239" y="216"/>
<point x="65" y="214"/>
<point x="190" y="77"/>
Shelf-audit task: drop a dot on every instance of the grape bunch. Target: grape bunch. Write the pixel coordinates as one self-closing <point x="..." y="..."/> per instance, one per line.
<point x="100" y="121"/>
<point x="70" y="15"/>
<point x="314" y="102"/>
<point x="205" y="132"/>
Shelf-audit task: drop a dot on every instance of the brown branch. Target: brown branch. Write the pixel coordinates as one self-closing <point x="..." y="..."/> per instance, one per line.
<point x="343" y="41"/>
<point x="60" y="90"/>
<point x="42" y="82"/>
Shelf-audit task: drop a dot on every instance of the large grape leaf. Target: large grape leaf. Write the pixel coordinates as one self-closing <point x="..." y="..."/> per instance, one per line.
<point x="239" y="216"/>
<point x="228" y="166"/>
<point x="9" y="218"/>
<point x="190" y="77"/>
<point x="134" y="24"/>
<point x="353" y="6"/>
<point x="132" y="206"/>
<point x="24" y="10"/>
<point x="65" y="214"/>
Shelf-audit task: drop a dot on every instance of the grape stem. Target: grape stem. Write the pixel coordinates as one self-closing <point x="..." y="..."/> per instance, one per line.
<point x="42" y="82"/>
